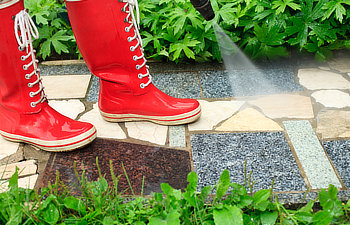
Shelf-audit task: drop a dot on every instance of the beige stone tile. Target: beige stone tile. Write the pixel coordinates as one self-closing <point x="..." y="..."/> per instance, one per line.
<point x="70" y="108"/>
<point x="213" y="113"/>
<point x="7" y="148"/>
<point x="249" y="120"/>
<point x="68" y="86"/>
<point x="315" y="79"/>
<point x="340" y="64"/>
<point x="285" y="106"/>
<point x="333" y="124"/>
<point x="25" y="182"/>
<point x="104" y="129"/>
<point x="332" y="98"/>
<point x="25" y="168"/>
<point x="324" y="68"/>
<point x="147" y="131"/>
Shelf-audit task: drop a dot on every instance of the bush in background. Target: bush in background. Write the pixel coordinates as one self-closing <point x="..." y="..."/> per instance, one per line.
<point x="173" y="30"/>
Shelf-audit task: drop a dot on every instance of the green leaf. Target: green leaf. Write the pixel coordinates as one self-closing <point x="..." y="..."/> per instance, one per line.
<point x="304" y="217"/>
<point x="51" y="214"/>
<point x="75" y="204"/>
<point x="330" y="202"/>
<point x="322" y="218"/>
<point x="261" y="196"/>
<point x="108" y="221"/>
<point x="268" y="218"/>
<point x="157" y="220"/>
<point x="223" y="184"/>
<point x="228" y="215"/>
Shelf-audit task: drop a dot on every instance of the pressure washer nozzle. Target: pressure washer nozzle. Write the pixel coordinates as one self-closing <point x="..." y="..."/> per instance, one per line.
<point x="204" y="8"/>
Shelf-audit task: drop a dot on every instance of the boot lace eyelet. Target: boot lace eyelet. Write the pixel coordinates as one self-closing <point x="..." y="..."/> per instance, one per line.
<point x="23" y="58"/>
<point x="142" y="85"/>
<point x="129" y="39"/>
<point x="140" y="76"/>
<point x="27" y="76"/>
<point x="21" y="48"/>
<point x="31" y="93"/>
<point x="134" y="58"/>
<point x="29" y="85"/>
<point x="32" y="104"/>
<point x="138" y="67"/>
<point x="132" y="48"/>
<point x="127" y="29"/>
<point x="25" y="67"/>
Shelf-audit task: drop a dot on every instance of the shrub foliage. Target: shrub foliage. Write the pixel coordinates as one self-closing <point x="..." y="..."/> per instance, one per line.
<point x="174" y="30"/>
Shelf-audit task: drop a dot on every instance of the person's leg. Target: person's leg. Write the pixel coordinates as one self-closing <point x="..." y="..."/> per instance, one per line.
<point x="108" y="38"/>
<point x="25" y="115"/>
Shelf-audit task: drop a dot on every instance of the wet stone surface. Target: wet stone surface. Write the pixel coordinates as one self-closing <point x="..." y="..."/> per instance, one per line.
<point x="219" y="84"/>
<point x="157" y="165"/>
<point x="339" y="152"/>
<point x="267" y="153"/>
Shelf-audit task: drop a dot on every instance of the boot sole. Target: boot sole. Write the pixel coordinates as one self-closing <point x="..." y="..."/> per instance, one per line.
<point x="162" y="120"/>
<point x="65" y="145"/>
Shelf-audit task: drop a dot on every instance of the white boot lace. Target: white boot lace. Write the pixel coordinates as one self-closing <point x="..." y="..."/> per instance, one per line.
<point x="135" y="22"/>
<point x="25" y="29"/>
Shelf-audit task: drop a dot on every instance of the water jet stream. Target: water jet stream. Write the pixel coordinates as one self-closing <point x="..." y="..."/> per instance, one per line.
<point x="244" y="77"/>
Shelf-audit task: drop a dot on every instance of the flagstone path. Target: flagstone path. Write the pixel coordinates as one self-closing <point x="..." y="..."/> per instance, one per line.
<point x="287" y="123"/>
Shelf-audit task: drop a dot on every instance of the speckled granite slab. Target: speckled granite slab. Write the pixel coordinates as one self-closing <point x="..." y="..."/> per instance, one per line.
<point x="64" y="69"/>
<point x="94" y="89"/>
<point x="314" y="161"/>
<point x="179" y="85"/>
<point x="339" y="152"/>
<point x="267" y="153"/>
<point x="157" y="165"/>
<point x="219" y="84"/>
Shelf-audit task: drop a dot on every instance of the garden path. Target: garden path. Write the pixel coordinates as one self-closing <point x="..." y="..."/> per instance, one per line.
<point x="295" y="130"/>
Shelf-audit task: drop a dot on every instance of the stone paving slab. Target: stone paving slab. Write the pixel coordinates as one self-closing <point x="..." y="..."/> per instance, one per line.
<point x="332" y="98"/>
<point x="332" y="124"/>
<point x="285" y="106"/>
<point x="220" y="84"/>
<point x="104" y="128"/>
<point x="213" y="113"/>
<point x="24" y="182"/>
<point x="339" y="152"/>
<point x="316" y="79"/>
<point x="177" y="136"/>
<point x="179" y="85"/>
<point x="309" y="151"/>
<point x="25" y="168"/>
<point x="267" y="153"/>
<point x="70" y="108"/>
<point x="94" y="89"/>
<point x="154" y="164"/>
<point x="7" y="148"/>
<point x="249" y="120"/>
<point x="59" y="87"/>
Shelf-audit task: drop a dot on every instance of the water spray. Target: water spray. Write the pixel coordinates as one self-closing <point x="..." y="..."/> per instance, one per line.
<point x="204" y="8"/>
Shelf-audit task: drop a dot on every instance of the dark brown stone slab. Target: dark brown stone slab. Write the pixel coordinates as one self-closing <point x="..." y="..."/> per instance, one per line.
<point x="157" y="165"/>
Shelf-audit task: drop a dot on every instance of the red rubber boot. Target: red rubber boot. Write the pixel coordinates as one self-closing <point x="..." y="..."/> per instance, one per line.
<point x="25" y="115"/>
<point x="108" y="38"/>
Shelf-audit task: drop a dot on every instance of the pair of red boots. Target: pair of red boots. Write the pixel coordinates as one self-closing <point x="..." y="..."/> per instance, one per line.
<point x="108" y="38"/>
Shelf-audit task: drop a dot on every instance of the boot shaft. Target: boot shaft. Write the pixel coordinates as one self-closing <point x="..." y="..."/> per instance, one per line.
<point x="19" y="78"/>
<point x="107" y="36"/>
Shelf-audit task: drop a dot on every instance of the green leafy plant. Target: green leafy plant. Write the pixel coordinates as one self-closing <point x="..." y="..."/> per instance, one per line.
<point x="99" y="203"/>
<point x="55" y="33"/>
